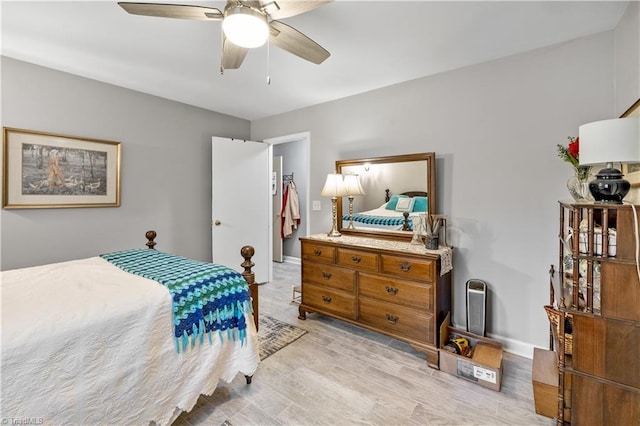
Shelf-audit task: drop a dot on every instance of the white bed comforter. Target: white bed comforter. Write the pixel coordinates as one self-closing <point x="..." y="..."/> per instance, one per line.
<point x="84" y="343"/>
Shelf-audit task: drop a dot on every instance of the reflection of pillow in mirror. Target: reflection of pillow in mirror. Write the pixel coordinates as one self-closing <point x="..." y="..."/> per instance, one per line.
<point x="404" y="205"/>
<point x="393" y="201"/>
<point x="420" y="204"/>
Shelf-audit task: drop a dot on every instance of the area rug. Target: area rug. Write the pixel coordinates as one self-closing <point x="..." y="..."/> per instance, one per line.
<point x="274" y="335"/>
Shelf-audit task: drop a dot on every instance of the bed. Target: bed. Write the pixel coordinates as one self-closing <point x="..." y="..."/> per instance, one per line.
<point x="97" y="341"/>
<point x="395" y="214"/>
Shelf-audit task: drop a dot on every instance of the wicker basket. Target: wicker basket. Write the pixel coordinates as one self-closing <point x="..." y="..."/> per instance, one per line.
<point x="554" y="318"/>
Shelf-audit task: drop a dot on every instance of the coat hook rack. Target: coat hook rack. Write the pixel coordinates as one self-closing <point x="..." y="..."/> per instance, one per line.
<point x="287" y="178"/>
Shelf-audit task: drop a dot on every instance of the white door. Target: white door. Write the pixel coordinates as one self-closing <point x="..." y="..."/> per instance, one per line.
<point x="241" y="203"/>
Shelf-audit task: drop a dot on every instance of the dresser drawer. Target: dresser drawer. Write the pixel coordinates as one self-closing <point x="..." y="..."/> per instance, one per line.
<point x="328" y="275"/>
<point x="409" y="267"/>
<point x="360" y="260"/>
<point x="400" y="292"/>
<point x="325" y="299"/>
<point x="396" y="320"/>
<point x="318" y="252"/>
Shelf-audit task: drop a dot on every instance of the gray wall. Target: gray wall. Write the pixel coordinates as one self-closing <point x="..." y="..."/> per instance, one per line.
<point x="166" y="167"/>
<point x="627" y="58"/>
<point x="494" y="128"/>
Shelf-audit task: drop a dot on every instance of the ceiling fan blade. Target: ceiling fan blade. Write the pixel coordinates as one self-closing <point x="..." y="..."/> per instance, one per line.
<point x="293" y="41"/>
<point x="280" y="9"/>
<point x="232" y="55"/>
<point x="179" y="11"/>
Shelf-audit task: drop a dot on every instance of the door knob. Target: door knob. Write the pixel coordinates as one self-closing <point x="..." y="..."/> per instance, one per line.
<point x="217" y="223"/>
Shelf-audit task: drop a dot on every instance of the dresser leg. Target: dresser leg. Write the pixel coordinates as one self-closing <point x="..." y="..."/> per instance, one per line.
<point x="301" y="313"/>
<point x="248" y="379"/>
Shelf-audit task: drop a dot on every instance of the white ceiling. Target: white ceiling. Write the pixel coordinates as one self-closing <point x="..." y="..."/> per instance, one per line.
<point x="372" y="43"/>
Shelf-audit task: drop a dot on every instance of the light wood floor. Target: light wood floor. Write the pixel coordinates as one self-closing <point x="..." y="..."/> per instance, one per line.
<point x="339" y="374"/>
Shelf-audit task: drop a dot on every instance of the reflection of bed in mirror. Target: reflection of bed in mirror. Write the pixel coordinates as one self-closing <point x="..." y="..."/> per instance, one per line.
<point x="395" y="214"/>
<point x="413" y="175"/>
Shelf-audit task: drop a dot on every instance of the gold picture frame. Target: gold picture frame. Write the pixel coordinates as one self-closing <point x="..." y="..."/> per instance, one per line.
<point x="48" y="170"/>
<point x="631" y="171"/>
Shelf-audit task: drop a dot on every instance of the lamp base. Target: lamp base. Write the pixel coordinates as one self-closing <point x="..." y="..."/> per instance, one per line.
<point x="334" y="233"/>
<point x="334" y="219"/>
<point x="609" y="187"/>
<point x="351" y="225"/>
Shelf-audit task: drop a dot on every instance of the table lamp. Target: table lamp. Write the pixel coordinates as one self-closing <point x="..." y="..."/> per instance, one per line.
<point x="607" y="142"/>
<point x="353" y="187"/>
<point x="334" y="188"/>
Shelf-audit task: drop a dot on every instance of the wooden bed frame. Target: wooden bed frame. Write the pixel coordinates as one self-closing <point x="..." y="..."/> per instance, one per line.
<point x="247" y="253"/>
<point x="387" y="197"/>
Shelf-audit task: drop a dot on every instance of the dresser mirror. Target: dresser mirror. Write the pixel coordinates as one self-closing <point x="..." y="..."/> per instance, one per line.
<point x="385" y="181"/>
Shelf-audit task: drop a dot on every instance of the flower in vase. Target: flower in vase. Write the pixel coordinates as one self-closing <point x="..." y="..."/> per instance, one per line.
<point x="570" y="154"/>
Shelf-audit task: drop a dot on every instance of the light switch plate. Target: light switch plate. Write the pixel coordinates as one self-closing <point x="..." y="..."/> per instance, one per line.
<point x="316" y="205"/>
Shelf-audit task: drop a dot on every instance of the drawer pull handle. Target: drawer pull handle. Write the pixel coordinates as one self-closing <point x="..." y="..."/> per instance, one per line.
<point x="356" y="259"/>
<point x="326" y="299"/>
<point x="405" y="267"/>
<point x="392" y="290"/>
<point x="326" y="275"/>
<point x="392" y="318"/>
<point x="317" y="252"/>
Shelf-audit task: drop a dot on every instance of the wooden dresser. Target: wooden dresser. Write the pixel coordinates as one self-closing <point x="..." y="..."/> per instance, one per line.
<point x="396" y="288"/>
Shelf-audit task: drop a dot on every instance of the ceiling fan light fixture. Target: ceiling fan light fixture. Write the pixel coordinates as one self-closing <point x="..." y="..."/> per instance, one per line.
<point x="245" y="26"/>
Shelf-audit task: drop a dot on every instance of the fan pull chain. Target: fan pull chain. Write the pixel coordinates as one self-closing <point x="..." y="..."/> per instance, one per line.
<point x="221" y="51"/>
<point x="268" y="62"/>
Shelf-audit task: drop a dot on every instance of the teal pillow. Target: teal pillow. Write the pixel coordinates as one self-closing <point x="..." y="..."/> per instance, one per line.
<point x="393" y="201"/>
<point x="420" y="204"/>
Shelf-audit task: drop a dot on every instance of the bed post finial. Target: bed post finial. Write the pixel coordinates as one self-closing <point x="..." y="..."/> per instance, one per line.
<point x="247" y="252"/>
<point x="405" y="224"/>
<point x="151" y="235"/>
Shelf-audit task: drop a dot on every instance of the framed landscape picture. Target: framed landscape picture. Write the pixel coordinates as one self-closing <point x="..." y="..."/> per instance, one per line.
<point x="46" y="170"/>
<point x="632" y="171"/>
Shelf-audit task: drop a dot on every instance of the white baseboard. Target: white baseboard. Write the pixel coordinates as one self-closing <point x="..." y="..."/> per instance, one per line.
<point x="291" y="259"/>
<point x="516" y="347"/>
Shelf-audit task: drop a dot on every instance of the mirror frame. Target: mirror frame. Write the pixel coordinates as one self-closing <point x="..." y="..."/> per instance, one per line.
<point x="429" y="157"/>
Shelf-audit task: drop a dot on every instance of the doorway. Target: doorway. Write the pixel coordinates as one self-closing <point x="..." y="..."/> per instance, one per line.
<point x="294" y="150"/>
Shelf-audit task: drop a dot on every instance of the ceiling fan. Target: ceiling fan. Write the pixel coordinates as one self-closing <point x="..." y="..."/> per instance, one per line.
<point x="245" y="25"/>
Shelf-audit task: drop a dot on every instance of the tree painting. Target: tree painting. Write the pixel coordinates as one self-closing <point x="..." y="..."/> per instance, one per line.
<point x="54" y="170"/>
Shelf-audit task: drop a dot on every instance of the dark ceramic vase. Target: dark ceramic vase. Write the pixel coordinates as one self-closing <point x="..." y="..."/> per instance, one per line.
<point x="609" y="187"/>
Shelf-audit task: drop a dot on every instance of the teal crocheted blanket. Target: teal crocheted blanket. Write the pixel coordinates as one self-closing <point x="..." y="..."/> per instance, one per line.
<point x="207" y="298"/>
<point x="377" y="220"/>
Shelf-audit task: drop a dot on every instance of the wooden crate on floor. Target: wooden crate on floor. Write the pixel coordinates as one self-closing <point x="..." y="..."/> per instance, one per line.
<point x="545" y="382"/>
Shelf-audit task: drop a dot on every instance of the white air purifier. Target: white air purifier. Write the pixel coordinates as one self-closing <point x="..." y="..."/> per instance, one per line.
<point x="477" y="307"/>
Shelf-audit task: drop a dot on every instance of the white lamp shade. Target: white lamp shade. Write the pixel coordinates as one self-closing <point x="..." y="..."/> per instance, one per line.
<point x="245" y="27"/>
<point x="610" y="141"/>
<point x="352" y="185"/>
<point x="334" y="186"/>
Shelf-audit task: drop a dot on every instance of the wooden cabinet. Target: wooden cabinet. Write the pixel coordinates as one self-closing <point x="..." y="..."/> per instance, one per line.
<point x="396" y="288"/>
<point x="601" y="297"/>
